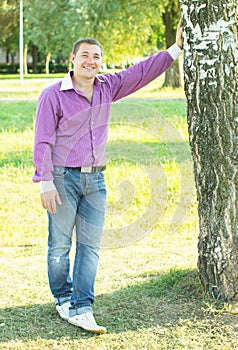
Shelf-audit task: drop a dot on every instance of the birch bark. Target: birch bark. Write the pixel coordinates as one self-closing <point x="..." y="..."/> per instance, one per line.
<point x="210" y="74"/>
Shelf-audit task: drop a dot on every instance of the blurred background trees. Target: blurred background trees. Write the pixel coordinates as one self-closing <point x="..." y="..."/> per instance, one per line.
<point x="128" y="30"/>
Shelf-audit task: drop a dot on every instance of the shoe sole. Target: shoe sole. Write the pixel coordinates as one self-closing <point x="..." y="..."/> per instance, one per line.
<point x="64" y="318"/>
<point x="97" y="331"/>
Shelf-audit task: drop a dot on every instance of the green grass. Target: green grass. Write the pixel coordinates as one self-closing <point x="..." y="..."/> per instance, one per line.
<point x="16" y="77"/>
<point x="148" y="293"/>
<point x="17" y="115"/>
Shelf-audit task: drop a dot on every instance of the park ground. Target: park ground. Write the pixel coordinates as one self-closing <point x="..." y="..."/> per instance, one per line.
<point x="148" y="292"/>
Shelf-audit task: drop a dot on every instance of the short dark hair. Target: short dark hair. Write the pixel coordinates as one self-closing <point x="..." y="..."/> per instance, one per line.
<point x="90" y="41"/>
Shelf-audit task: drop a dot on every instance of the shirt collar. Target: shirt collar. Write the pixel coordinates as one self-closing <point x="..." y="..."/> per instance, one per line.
<point x="67" y="83"/>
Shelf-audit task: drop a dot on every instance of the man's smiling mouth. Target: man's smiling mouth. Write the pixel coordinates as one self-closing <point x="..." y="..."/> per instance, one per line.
<point x="88" y="68"/>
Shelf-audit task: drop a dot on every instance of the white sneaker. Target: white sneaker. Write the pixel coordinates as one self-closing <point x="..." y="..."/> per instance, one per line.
<point x="63" y="310"/>
<point x="87" y="322"/>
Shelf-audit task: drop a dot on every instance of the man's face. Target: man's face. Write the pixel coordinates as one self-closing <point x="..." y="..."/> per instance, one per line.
<point x="87" y="61"/>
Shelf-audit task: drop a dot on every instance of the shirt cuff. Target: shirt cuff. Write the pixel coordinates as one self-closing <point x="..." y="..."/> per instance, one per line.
<point x="46" y="186"/>
<point x="174" y="51"/>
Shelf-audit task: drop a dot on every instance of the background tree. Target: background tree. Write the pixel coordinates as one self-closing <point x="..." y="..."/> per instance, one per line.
<point x="133" y="29"/>
<point x="49" y="26"/>
<point x="124" y="27"/>
<point x="210" y="43"/>
<point x="171" y="16"/>
<point x="128" y="30"/>
<point x="9" y="19"/>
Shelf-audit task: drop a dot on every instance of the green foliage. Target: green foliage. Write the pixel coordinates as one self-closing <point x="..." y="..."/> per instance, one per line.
<point x="9" y="19"/>
<point x="126" y="29"/>
<point x="49" y="24"/>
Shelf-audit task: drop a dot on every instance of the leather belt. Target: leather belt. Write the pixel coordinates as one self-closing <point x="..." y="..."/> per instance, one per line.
<point x="90" y="169"/>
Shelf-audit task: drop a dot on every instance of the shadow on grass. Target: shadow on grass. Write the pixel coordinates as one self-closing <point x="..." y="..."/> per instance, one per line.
<point x="149" y="152"/>
<point x="146" y="153"/>
<point x="143" y="153"/>
<point x="156" y="301"/>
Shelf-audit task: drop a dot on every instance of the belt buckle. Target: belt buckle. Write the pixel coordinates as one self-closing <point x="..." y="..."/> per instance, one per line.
<point x="86" y="169"/>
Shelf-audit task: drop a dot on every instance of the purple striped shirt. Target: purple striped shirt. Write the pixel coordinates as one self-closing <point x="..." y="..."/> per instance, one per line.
<point x="72" y="132"/>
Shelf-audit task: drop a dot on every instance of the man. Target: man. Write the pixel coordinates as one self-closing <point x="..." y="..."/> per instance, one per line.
<point x="69" y="155"/>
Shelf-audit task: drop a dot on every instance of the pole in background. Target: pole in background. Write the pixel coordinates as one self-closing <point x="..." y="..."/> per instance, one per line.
<point x="21" y="49"/>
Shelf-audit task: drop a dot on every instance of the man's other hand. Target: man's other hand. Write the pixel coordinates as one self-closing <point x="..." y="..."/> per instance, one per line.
<point x="49" y="200"/>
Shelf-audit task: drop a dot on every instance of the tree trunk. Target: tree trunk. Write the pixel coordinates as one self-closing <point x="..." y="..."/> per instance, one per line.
<point x="7" y="56"/>
<point x="210" y="42"/>
<point x="25" y="59"/>
<point x="172" y="75"/>
<point x="35" y="54"/>
<point x="47" y="63"/>
<point x="13" y="55"/>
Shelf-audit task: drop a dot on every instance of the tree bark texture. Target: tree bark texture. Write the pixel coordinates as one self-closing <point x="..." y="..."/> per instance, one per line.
<point x="210" y="73"/>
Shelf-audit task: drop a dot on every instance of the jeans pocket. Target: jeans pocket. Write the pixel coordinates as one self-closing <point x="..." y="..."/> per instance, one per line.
<point x="101" y="183"/>
<point x="59" y="171"/>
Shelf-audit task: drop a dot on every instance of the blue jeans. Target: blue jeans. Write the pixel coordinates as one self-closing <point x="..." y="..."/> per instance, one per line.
<point x="83" y="197"/>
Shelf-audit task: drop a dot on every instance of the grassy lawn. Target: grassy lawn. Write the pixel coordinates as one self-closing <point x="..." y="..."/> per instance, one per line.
<point x="148" y="294"/>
